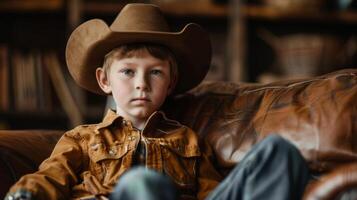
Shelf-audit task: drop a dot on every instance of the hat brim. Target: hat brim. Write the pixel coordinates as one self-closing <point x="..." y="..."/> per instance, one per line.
<point x="91" y="41"/>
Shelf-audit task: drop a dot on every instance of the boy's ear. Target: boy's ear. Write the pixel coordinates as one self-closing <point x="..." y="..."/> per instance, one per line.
<point x="170" y="89"/>
<point x="103" y="80"/>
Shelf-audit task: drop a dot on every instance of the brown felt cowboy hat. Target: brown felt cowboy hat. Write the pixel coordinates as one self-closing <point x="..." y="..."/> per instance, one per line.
<point x="137" y="23"/>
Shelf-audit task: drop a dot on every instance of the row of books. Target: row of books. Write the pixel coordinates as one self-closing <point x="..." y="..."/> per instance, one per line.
<point x="33" y="81"/>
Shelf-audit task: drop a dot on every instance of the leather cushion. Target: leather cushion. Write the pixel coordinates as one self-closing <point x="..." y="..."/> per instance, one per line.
<point x="318" y="115"/>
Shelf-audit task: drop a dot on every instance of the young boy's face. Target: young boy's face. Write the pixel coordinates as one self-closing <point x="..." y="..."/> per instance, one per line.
<point x="139" y="85"/>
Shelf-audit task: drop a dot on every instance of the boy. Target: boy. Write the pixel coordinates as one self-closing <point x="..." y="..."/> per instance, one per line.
<point x="144" y="62"/>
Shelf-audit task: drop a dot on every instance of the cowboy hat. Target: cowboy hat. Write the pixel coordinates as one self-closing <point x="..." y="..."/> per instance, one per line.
<point x="137" y="23"/>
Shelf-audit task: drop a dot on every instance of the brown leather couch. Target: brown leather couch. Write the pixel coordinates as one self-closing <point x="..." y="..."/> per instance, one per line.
<point x="318" y="115"/>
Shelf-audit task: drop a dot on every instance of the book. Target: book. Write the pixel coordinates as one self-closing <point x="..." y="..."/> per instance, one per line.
<point x="44" y="90"/>
<point x="16" y="65"/>
<point x="4" y="78"/>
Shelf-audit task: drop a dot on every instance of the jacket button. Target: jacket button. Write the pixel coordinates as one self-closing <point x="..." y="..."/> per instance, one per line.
<point x="95" y="146"/>
<point x="125" y="123"/>
<point x="112" y="151"/>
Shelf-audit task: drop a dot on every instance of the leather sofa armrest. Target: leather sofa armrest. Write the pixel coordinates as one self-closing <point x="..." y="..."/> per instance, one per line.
<point x="340" y="183"/>
<point x="21" y="152"/>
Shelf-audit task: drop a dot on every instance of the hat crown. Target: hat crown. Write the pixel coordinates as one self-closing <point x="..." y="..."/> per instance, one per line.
<point x="140" y="18"/>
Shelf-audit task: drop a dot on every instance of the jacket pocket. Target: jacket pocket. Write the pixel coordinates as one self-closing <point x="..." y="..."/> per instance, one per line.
<point x="99" y="153"/>
<point x="107" y="162"/>
<point x="179" y="162"/>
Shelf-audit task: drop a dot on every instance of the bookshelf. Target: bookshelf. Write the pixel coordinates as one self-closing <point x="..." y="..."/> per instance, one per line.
<point x="34" y="91"/>
<point x="33" y="88"/>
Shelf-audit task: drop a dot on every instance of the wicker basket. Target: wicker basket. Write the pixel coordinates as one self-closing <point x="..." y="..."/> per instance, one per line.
<point x="305" y="55"/>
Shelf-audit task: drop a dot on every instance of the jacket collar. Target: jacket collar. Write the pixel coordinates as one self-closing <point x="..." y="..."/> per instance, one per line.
<point x="109" y="119"/>
<point x="112" y="117"/>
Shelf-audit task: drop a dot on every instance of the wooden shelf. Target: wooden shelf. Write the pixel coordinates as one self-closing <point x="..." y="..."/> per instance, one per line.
<point x="34" y="114"/>
<point x="33" y="120"/>
<point x="275" y="14"/>
<point x="31" y="5"/>
<point x="200" y="8"/>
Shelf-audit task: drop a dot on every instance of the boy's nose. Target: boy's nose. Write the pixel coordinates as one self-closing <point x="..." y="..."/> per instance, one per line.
<point x="142" y="84"/>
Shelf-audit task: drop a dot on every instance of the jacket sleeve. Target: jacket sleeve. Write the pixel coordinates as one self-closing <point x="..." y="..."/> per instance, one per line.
<point x="208" y="177"/>
<point x="58" y="173"/>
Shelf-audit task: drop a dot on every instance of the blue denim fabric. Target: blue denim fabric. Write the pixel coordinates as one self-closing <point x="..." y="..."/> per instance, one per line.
<point x="141" y="183"/>
<point x="272" y="170"/>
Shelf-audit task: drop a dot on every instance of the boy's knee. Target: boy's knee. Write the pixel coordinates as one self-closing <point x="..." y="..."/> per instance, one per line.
<point x="279" y="143"/>
<point x="275" y="139"/>
<point x="275" y="148"/>
<point x="144" y="183"/>
<point x="145" y="177"/>
<point x="139" y="174"/>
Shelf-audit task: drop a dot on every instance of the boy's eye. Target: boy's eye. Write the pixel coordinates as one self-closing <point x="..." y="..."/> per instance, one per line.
<point x="127" y="72"/>
<point x="156" y="72"/>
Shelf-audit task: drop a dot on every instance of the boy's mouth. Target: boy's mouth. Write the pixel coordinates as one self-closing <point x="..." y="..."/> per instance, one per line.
<point x="141" y="99"/>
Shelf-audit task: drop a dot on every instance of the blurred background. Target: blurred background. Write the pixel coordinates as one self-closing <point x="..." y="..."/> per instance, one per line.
<point x="253" y="41"/>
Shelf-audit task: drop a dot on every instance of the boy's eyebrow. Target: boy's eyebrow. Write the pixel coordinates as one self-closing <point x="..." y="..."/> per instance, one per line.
<point x="129" y="64"/>
<point x="156" y="63"/>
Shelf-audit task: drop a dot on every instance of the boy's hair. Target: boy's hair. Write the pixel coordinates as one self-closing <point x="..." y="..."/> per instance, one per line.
<point x="131" y="50"/>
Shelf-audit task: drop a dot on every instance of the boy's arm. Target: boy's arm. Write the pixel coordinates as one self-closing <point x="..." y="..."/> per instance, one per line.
<point x="208" y="177"/>
<point x="57" y="174"/>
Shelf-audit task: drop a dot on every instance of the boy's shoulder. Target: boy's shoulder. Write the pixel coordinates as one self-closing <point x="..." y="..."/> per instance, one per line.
<point x="163" y="120"/>
<point x="83" y="131"/>
<point x="86" y="130"/>
<point x="158" y="120"/>
<point x="167" y="125"/>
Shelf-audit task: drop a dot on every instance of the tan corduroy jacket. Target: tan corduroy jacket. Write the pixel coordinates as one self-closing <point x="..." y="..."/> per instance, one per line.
<point x="89" y="160"/>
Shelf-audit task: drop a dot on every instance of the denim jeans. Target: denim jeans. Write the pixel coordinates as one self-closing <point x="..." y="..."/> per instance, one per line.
<point x="141" y="183"/>
<point x="272" y="170"/>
